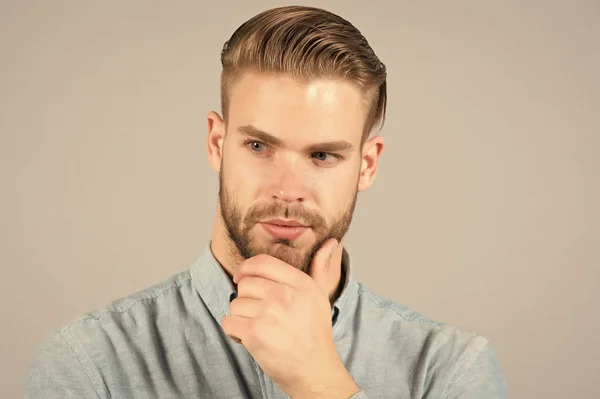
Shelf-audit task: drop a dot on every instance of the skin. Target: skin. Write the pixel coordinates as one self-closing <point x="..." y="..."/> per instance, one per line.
<point x="289" y="150"/>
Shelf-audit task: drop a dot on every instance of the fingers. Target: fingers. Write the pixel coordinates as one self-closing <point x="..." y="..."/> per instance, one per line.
<point x="319" y="267"/>
<point x="236" y="327"/>
<point x="246" y="307"/>
<point x="270" y="268"/>
<point x="255" y="287"/>
<point x="322" y="256"/>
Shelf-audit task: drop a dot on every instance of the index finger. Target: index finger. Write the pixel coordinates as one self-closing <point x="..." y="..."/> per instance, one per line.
<point x="270" y="268"/>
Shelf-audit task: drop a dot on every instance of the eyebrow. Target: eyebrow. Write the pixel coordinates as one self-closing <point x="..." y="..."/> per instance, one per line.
<point x="269" y="139"/>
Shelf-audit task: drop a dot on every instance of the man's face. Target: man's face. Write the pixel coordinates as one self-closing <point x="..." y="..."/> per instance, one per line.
<point x="290" y="165"/>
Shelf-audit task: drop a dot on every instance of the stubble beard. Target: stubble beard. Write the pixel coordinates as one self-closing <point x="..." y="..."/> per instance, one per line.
<point x="243" y="246"/>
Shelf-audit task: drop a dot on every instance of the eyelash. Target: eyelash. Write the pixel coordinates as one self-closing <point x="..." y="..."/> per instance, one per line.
<point x="247" y="144"/>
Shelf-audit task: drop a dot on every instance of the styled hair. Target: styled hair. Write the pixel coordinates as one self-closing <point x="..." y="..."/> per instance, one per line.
<point x="306" y="43"/>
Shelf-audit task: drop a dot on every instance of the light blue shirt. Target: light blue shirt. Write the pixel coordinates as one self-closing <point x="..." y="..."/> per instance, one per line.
<point x="166" y="342"/>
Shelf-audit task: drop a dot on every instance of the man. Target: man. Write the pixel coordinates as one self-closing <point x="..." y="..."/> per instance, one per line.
<point x="271" y="309"/>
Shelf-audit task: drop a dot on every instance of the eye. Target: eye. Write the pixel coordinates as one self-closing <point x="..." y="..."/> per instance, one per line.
<point x="321" y="156"/>
<point x="325" y="158"/>
<point x="255" y="146"/>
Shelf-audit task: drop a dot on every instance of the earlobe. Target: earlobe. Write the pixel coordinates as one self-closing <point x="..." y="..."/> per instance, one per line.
<point x="214" y="140"/>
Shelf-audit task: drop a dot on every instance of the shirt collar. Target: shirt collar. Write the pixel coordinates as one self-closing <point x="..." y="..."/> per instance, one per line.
<point x="216" y="289"/>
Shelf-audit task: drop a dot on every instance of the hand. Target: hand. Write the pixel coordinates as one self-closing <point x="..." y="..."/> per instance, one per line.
<point x="283" y="318"/>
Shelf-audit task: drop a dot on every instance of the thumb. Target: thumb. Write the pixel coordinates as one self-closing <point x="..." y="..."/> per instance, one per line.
<point x="319" y="266"/>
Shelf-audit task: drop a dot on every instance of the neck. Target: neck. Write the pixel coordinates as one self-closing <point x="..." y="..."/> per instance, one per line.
<point x="225" y="252"/>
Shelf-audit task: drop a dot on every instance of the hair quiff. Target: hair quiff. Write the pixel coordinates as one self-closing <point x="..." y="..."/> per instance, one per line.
<point x="306" y="43"/>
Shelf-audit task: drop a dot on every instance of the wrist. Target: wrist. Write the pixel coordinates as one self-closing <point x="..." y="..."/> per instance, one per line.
<point x="337" y="384"/>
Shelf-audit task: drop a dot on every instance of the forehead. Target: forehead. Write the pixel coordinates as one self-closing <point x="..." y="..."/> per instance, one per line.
<point x="320" y="109"/>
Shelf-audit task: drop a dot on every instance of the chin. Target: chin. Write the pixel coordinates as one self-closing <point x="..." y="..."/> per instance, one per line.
<point x="281" y="245"/>
<point x="288" y="252"/>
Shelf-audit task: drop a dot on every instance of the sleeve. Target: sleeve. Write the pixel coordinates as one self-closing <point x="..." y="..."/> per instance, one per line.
<point x="482" y="378"/>
<point x="56" y="372"/>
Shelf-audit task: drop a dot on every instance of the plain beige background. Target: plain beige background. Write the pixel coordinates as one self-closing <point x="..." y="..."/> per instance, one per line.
<point x="485" y="213"/>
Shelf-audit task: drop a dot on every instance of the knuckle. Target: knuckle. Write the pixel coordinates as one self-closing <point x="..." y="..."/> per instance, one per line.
<point x="226" y="324"/>
<point x="286" y="295"/>
<point x="242" y="283"/>
<point x="246" y="285"/>
<point x="233" y="306"/>
<point x="268" y="313"/>
<point x="253" y="333"/>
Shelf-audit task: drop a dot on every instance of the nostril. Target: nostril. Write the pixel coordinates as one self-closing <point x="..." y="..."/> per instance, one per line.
<point x="288" y="199"/>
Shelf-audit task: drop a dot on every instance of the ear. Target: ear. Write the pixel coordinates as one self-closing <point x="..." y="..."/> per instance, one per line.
<point x="370" y="160"/>
<point x="214" y="141"/>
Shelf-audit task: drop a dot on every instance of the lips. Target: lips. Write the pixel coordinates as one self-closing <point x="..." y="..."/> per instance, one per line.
<point x="284" y="229"/>
<point x="284" y="223"/>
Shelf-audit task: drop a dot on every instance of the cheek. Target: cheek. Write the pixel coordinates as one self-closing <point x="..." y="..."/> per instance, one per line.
<point x="336" y="192"/>
<point x="338" y="179"/>
<point x="242" y="179"/>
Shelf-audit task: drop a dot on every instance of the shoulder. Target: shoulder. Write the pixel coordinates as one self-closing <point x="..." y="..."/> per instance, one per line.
<point x="117" y="319"/>
<point x="409" y="319"/>
<point x="134" y="305"/>
<point x="58" y="371"/>
<point x="130" y="320"/>
<point x="136" y="301"/>
<point x="67" y="359"/>
<point x="462" y="357"/>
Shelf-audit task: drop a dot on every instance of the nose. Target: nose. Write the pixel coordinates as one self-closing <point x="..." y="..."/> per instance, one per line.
<point x="288" y="196"/>
<point x="290" y="184"/>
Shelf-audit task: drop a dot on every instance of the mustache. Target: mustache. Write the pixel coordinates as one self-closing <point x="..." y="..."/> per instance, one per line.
<point x="305" y="216"/>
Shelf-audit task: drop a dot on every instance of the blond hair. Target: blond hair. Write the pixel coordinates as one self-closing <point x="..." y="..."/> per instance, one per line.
<point x="306" y="43"/>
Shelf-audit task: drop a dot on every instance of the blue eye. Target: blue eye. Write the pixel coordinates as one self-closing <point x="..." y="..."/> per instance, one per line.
<point x="320" y="155"/>
<point x="326" y="159"/>
<point x="256" y="146"/>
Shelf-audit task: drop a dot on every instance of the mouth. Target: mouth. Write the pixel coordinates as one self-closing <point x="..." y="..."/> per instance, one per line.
<point x="284" y="223"/>
<point x="284" y="229"/>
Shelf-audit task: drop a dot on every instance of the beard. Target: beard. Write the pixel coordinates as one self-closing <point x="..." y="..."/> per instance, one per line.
<point x="239" y="227"/>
